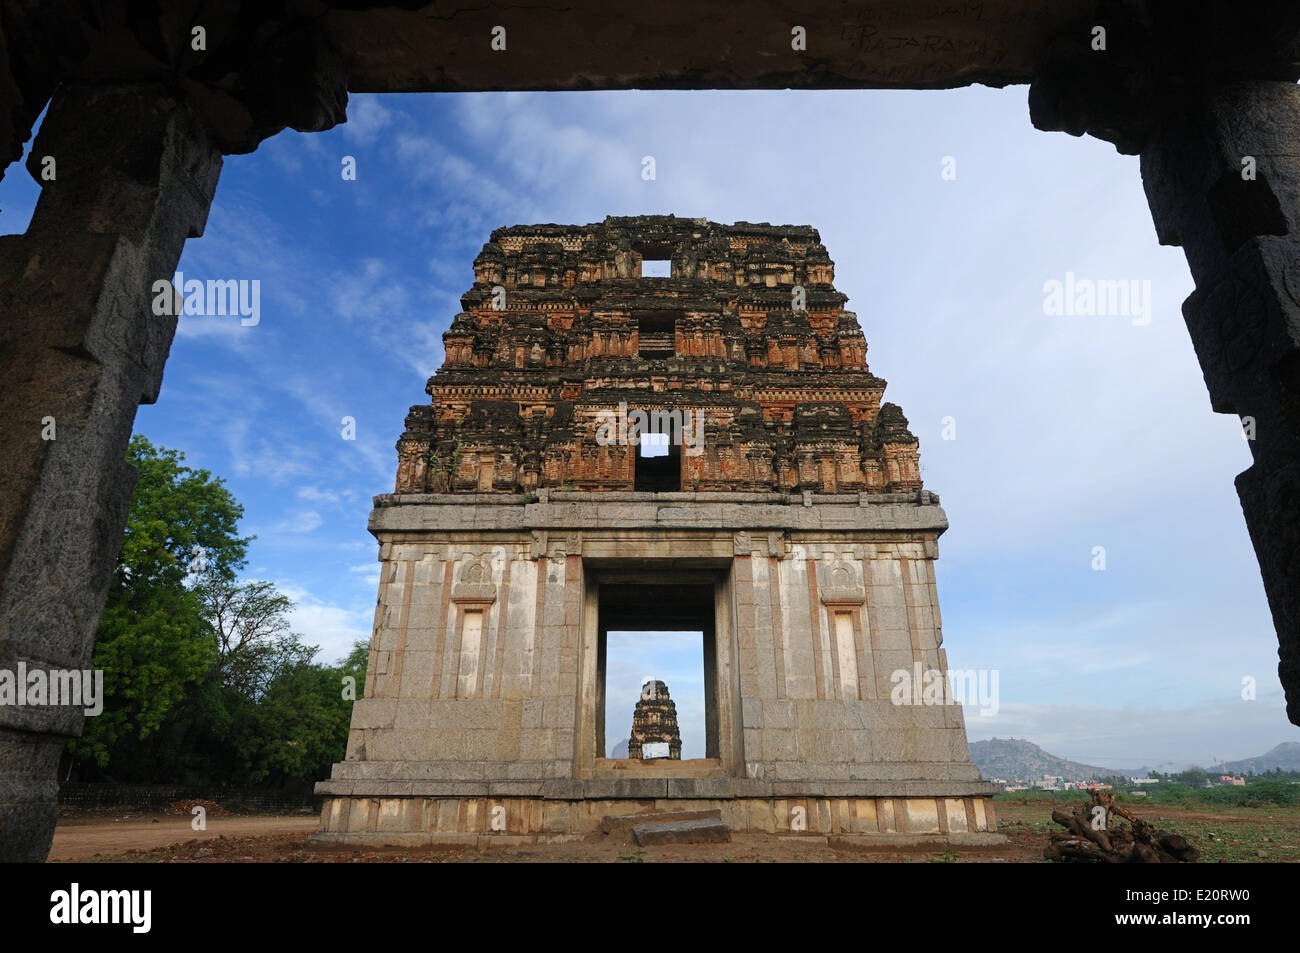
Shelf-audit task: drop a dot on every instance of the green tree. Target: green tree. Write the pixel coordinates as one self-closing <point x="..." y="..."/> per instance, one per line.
<point x="154" y="640"/>
<point x="355" y="664"/>
<point x="303" y="719"/>
<point x="264" y="712"/>
<point x="214" y="732"/>
<point x="204" y="679"/>
<point x="254" y="643"/>
<point x="1193" y="777"/>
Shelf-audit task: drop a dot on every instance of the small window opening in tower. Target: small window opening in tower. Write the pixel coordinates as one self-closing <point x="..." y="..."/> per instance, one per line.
<point x="659" y="456"/>
<point x="656" y="334"/>
<point x="654" y="445"/>
<point x="656" y="268"/>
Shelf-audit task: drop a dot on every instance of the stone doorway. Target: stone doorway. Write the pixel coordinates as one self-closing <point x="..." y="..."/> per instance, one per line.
<point x="664" y="603"/>
<point x="639" y="668"/>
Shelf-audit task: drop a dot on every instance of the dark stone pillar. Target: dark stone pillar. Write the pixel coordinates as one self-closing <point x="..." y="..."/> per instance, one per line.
<point x="80" y="344"/>
<point x="1205" y="93"/>
<point x="1222" y="176"/>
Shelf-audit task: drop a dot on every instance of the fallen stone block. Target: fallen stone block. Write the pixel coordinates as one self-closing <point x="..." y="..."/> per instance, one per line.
<point x="682" y="832"/>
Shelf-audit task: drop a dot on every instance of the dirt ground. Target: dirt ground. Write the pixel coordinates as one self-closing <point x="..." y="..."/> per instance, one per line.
<point x="82" y="835"/>
<point x="1271" y="834"/>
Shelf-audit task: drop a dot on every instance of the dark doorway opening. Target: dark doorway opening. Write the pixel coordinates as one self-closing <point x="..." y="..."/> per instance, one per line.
<point x="656" y="333"/>
<point x="658" y="466"/>
<point x="655" y="259"/>
<point x="635" y="614"/>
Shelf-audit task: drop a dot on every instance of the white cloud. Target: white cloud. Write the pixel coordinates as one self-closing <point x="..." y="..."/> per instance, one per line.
<point x="315" y="494"/>
<point x="333" y="628"/>
<point x="369" y="573"/>
<point x="270" y="460"/>
<point x="303" y="521"/>
<point x="371" y="294"/>
<point x="226" y="328"/>
<point x="366" y="118"/>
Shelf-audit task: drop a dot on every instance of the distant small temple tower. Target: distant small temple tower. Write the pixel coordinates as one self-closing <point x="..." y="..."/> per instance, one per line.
<point x="655" y="722"/>
<point x="656" y="424"/>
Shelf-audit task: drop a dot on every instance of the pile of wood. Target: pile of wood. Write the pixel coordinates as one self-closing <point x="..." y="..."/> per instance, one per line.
<point x="187" y="806"/>
<point x="1092" y="834"/>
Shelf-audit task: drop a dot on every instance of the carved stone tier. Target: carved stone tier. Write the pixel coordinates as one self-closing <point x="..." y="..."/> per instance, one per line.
<point x="743" y="356"/>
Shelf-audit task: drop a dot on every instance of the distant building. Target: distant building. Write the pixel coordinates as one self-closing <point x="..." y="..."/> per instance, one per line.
<point x="1086" y="786"/>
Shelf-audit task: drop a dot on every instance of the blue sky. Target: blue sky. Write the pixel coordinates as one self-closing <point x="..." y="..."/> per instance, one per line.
<point x="1071" y="432"/>
<point x="676" y="659"/>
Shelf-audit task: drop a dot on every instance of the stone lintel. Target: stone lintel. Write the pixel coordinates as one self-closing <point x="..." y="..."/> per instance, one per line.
<point x="769" y="513"/>
<point x="843" y="597"/>
<point x="474" y="594"/>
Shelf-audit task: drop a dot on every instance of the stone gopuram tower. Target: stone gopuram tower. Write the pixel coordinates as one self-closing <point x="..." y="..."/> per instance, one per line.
<point x="654" y="722"/>
<point x="777" y="509"/>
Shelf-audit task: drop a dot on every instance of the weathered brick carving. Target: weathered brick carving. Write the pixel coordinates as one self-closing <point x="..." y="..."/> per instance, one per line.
<point x="561" y="333"/>
<point x="655" y="722"/>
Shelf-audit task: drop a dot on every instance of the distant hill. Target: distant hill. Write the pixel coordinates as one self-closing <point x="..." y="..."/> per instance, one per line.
<point x="1013" y="759"/>
<point x="620" y="749"/>
<point x="1285" y="756"/>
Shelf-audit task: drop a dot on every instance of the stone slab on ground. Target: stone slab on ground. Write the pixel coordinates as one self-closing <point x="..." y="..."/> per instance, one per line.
<point x="616" y="822"/>
<point x="701" y="831"/>
<point x="891" y="841"/>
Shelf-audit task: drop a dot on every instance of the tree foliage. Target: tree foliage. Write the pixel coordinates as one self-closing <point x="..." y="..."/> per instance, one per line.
<point x="153" y="640"/>
<point x="204" y="680"/>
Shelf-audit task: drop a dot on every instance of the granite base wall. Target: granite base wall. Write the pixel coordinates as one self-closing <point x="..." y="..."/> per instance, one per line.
<point x="414" y="821"/>
<point x="484" y="671"/>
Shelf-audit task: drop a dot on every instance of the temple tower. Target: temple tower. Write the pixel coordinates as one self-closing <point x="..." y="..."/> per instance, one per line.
<point x="656" y="423"/>
<point x="654" y="721"/>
